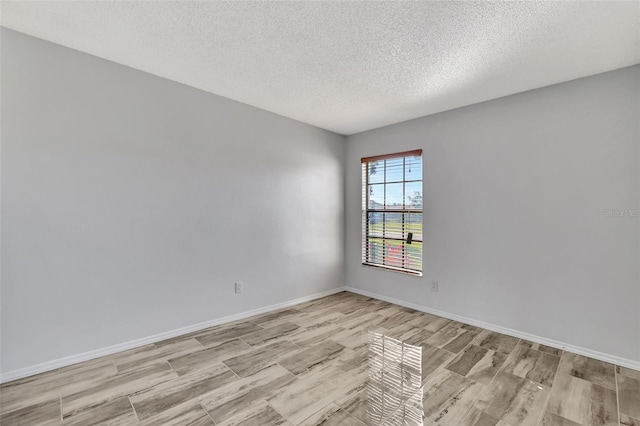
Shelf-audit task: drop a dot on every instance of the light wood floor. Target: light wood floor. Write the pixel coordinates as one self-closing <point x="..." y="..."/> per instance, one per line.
<point x="307" y="365"/>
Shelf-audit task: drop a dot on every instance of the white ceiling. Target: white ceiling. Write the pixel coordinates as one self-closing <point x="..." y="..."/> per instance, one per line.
<point x="347" y="66"/>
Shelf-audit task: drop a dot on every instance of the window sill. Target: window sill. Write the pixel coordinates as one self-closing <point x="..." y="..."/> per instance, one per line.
<point x="392" y="269"/>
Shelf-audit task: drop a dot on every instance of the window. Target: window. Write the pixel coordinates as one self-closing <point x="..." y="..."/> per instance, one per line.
<point x="392" y="211"/>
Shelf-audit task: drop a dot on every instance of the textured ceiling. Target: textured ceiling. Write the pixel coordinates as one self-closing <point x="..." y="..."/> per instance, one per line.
<point x="347" y="66"/>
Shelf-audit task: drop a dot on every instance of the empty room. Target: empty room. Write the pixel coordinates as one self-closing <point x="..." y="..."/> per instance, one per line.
<point x="329" y="213"/>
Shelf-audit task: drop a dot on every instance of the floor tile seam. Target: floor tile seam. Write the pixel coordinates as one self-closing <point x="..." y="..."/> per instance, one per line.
<point x="311" y="415"/>
<point x="488" y="385"/>
<point x="128" y="395"/>
<point x="205" y="410"/>
<point x="555" y="378"/>
<point x="133" y="408"/>
<point x="587" y="381"/>
<point x="274" y="409"/>
<point x="340" y="407"/>
<point x="51" y="398"/>
<point x="230" y="369"/>
<point x="542" y="353"/>
<point x="615" y="376"/>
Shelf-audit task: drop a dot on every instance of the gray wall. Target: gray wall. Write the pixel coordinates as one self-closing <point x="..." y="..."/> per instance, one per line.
<point x="131" y="204"/>
<point x="515" y="194"/>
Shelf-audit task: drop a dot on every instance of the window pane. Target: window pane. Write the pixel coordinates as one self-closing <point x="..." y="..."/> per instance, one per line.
<point x="375" y="251"/>
<point x="376" y="224"/>
<point x="394" y="170"/>
<point x="394" y="195"/>
<point x="413" y="223"/>
<point x="393" y="225"/>
<point x="395" y="253"/>
<point x="402" y="255"/>
<point x="413" y="197"/>
<point x="413" y="256"/>
<point x="376" y="196"/>
<point x="376" y="172"/>
<point x="413" y="168"/>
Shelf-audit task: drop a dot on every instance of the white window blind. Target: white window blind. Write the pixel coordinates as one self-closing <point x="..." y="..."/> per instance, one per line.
<point x="392" y="211"/>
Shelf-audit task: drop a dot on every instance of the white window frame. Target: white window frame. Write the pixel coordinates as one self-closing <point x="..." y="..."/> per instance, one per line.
<point x="369" y="259"/>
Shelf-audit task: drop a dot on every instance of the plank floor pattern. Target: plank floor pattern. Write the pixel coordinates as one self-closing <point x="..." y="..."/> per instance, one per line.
<point x="307" y="365"/>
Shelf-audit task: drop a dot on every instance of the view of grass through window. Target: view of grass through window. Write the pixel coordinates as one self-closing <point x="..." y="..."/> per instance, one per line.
<point x="392" y="211"/>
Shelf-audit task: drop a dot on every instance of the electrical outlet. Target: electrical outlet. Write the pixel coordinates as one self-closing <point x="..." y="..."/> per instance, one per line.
<point x="239" y="287"/>
<point x="434" y="286"/>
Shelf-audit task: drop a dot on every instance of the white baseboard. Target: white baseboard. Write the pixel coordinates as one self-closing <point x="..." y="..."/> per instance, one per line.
<point x="86" y="356"/>
<point x="613" y="359"/>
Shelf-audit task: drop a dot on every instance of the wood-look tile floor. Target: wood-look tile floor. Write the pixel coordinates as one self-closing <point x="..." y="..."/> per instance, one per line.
<point x="307" y="365"/>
